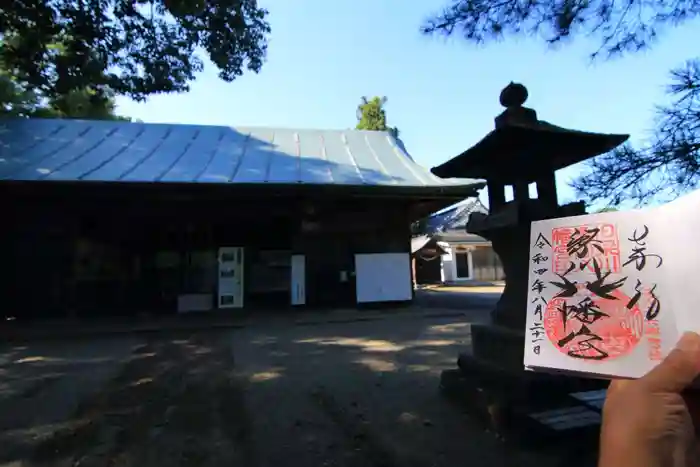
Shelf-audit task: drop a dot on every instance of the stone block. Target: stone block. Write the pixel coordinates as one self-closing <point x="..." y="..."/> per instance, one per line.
<point x="499" y="344"/>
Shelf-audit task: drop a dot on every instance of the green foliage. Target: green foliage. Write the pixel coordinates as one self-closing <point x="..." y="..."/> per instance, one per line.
<point x="17" y="100"/>
<point x="126" y="47"/>
<point x="608" y="209"/>
<point x="669" y="163"/>
<point x="372" y="116"/>
<point x="419" y="227"/>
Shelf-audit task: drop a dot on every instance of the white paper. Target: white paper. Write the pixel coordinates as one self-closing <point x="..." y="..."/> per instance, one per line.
<point x="611" y="293"/>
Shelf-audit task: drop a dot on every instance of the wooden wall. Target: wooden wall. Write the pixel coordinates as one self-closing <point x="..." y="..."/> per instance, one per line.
<point x="487" y="265"/>
<point x="92" y="256"/>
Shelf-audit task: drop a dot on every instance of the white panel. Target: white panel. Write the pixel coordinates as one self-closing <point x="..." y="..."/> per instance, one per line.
<point x="231" y="277"/>
<point x="298" y="288"/>
<point x="448" y="265"/>
<point x="383" y="277"/>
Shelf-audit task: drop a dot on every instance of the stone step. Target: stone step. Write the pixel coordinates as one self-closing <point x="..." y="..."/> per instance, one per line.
<point x="519" y="385"/>
<point x="593" y="399"/>
<point x="567" y="424"/>
<point x="564" y="422"/>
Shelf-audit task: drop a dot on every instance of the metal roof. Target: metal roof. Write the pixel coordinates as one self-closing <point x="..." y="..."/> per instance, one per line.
<point x="53" y="149"/>
<point x="456" y="217"/>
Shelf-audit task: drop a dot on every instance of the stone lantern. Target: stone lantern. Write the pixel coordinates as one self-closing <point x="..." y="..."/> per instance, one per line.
<point x="519" y="151"/>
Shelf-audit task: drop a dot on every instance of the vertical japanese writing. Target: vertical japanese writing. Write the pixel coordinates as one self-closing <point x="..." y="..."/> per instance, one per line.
<point x="542" y="250"/>
<point x="645" y="295"/>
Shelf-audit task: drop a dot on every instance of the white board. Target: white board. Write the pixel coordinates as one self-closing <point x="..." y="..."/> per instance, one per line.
<point x="383" y="277"/>
<point x="298" y="278"/>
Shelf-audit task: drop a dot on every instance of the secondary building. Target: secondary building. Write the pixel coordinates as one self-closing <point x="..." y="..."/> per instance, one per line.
<point x="463" y="257"/>
<point x="107" y="217"/>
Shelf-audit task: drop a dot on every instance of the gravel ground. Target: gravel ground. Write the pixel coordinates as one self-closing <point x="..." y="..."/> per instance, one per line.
<point x="350" y="394"/>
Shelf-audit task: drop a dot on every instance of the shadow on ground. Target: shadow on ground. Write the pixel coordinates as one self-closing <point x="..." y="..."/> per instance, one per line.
<point x="352" y="394"/>
<point x="462" y="298"/>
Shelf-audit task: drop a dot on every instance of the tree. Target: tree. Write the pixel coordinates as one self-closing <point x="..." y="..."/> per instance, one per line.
<point x="666" y="165"/>
<point x="17" y="100"/>
<point x="81" y="103"/>
<point x="419" y="227"/>
<point x="608" y="209"/>
<point x="126" y="47"/>
<point x="372" y="116"/>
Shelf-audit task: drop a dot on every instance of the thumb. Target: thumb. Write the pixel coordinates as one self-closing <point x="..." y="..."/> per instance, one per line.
<point x="679" y="369"/>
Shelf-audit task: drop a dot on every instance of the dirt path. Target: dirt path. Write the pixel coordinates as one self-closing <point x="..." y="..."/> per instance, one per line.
<point x="354" y="394"/>
<point x="368" y="387"/>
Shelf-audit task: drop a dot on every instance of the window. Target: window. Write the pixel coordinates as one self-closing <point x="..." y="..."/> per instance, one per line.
<point x="227" y="257"/>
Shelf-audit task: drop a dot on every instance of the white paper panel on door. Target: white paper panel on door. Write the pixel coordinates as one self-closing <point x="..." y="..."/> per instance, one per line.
<point x="298" y="277"/>
<point x="383" y="277"/>
<point x="231" y="277"/>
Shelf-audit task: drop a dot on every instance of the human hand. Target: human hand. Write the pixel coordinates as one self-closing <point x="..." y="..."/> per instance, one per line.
<point x="651" y="421"/>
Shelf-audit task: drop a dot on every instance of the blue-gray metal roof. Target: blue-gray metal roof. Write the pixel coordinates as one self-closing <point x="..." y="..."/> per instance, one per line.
<point x="456" y="217"/>
<point x="38" y="149"/>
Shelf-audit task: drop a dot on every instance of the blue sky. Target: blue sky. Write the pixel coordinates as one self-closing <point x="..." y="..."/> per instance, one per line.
<point x="442" y="94"/>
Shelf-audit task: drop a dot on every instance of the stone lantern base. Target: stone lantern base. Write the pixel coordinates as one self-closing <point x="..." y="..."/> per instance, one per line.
<point x="490" y="375"/>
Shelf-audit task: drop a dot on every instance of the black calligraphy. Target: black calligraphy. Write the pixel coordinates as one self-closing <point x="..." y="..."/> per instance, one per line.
<point x="585" y="312"/>
<point x="639" y="255"/>
<point x="598" y="286"/>
<point x="541" y="241"/>
<point x="587" y="341"/>
<point x="538" y="286"/>
<point x="538" y="264"/>
<point x="539" y="258"/>
<point x="638" y="258"/>
<point x="579" y="243"/>
<point x="654" y="307"/>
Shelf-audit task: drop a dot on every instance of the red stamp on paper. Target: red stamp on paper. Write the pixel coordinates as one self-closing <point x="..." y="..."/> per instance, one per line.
<point x="594" y="328"/>
<point x="653" y="329"/>
<point x="653" y="336"/>
<point x="584" y="245"/>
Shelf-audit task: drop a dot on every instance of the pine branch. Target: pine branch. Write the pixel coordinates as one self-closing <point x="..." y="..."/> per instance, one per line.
<point x="666" y="167"/>
<point x="620" y="26"/>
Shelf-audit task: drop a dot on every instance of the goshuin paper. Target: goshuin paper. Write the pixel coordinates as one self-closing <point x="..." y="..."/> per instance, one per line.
<point x="611" y="293"/>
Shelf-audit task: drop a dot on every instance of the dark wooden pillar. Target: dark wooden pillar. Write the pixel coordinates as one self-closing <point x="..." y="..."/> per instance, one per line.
<point x="497" y="195"/>
<point x="521" y="191"/>
<point x="547" y="190"/>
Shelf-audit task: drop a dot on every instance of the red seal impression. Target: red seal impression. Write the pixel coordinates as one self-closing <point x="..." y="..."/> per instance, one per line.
<point x="593" y="328"/>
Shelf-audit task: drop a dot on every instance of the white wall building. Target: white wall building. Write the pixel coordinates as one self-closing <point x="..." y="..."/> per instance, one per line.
<point x="465" y="257"/>
<point x="468" y="257"/>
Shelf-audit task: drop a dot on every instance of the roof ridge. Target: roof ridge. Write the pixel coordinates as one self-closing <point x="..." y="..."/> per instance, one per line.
<point x="203" y="125"/>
